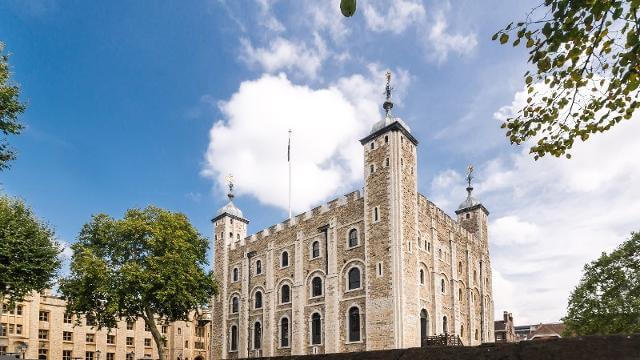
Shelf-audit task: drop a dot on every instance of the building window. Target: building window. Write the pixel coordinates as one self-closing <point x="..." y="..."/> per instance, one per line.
<point x="316" y="329"/>
<point x="429" y="246"/>
<point x="284" y="262"/>
<point x="376" y="215"/>
<point x="439" y="253"/>
<point x="460" y="294"/>
<point x="130" y="325"/>
<point x="354" y="278"/>
<point x="130" y="356"/>
<point x="257" y="335"/>
<point x="476" y="334"/>
<point x="353" y="238"/>
<point x="89" y="355"/>
<point x="467" y="215"/>
<point x="235" y="274"/>
<point x="285" y="294"/>
<point x="316" y="287"/>
<point x="459" y="267"/>
<point x="373" y="145"/>
<point x="42" y="354"/>
<point x="179" y="331"/>
<point x="91" y="338"/>
<point x="442" y="286"/>
<point x="461" y="331"/>
<point x="111" y="356"/>
<point x="284" y="332"/>
<point x="186" y="344"/>
<point x="445" y="328"/>
<point x="43" y="316"/>
<point x="315" y="250"/>
<point x="68" y="318"/>
<point x="3" y="329"/>
<point x="386" y="162"/>
<point x="164" y="329"/>
<point x="379" y="269"/>
<point x="258" y="267"/>
<point x="147" y="327"/>
<point x="421" y="277"/>
<point x="43" y="334"/>
<point x="111" y="339"/>
<point x="354" y="324"/>
<point x="234" y="338"/>
<point x="386" y="139"/>
<point x="19" y="310"/>
<point x="258" y="300"/>
<point x="129" y="341"/>
<point x="147" y="342"/>
<point x="18" y="329"/>
<point x="200" y="331"/>
<point x="67" y="336"/>
<point x="67" y="355"/>
<point x="234" y="305"/>
<point x="475" y="276"/>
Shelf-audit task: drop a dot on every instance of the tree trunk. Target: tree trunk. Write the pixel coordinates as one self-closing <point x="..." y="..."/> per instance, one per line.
<point x="150" y="320"/>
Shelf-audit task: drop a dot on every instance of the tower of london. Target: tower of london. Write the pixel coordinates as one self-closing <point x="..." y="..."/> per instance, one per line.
<point x="378" y="268"/>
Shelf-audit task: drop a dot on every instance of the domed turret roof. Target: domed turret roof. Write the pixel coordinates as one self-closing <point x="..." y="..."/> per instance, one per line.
<point x="386" y="121"/>
<point x="230" y="209"/>
<point x="468" y="202"/>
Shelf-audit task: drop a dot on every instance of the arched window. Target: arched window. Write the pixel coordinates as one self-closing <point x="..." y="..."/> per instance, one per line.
<point x="258" y="300"/>
<point x="354" y="324"/>
<point x="285" y="294"/>
<point x="284" y="262"/>
<point x="424" y="326"/>
<point x="258" y="267"/>
<point x="475" y="276"/>
<point x="445" y="327"/>
<point x="235" y="274"/>
<point x="476" y="334"/>
<point x="354" y="278"/>
<point x="316" y="286"/>
<point x="460" y="267"/>
<point x="353" y="238"/>
<point x="284" y="332"/>
<point x="460" y="294"/>
<point x="421" y="277"/>
<point x="234" y="305"/>
<point x="316" y="329"/>
<point x="461" y="331"/>
<point x="442" y="286"/>
<point x="234" y="338"/>
<point x="257" y="335"/>
<point x="315" y="249"/>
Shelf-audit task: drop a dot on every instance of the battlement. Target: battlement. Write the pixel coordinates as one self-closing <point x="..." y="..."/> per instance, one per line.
<point x="296" y="220"/>
<point x="440" y="215"/>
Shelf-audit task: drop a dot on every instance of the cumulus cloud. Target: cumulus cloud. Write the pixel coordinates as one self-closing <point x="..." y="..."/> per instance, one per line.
<point x="283" y="54"/>
<point x="551" y="216"/>
<point x="394" y="16"/>
<point x="442" y="42"/>
<point x="251" y="140"/>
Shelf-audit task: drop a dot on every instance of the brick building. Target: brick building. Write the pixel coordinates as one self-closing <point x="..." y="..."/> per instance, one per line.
<point x="41" y="323"/>
<point x="379" y="268"/>
<point x="504" y="330"/>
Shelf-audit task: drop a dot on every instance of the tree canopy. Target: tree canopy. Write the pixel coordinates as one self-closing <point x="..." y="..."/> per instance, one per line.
<point x="28" y="252"/>
<point x="607" y="299"/>
<point x="148" y="265"/>
<point x="586" y="55"/>
<point x="10" y="109"/>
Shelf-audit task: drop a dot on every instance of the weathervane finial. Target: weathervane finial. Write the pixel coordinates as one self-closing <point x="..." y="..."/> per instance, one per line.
<point x="469" y="178"/>
<point x="388" y="104"/>
<point x="229" y="180"/>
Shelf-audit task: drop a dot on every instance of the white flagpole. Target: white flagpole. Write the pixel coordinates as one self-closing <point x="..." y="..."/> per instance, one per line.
<point x="289" y="160"/>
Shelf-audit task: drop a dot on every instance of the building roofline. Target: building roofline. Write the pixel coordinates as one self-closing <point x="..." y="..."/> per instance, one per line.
<point x="396" y="125"/>
<point x="474" y="207"/>
<point x="231" y="216"/>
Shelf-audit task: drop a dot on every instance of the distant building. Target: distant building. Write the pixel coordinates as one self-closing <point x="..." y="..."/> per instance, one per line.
<point x="41" y="323"/>
<point x="504" y="331"/>
<point x="539" y="332"/>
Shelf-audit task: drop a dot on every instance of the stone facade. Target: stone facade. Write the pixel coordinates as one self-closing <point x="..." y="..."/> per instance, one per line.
<point x="41" y="324"/>
<point x="392" y="267"/>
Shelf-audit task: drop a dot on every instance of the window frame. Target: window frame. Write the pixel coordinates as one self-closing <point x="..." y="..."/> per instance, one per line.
<point x="357" y="268"/>
<point x="281" y="338"/>
<point x="350" y="325"/>
<point x="355" y="231"/>
<point x="284" y="255"/>
<point x="313" y="287"/>
<point x="314" y="249"/>
<point x="312" y="337"/>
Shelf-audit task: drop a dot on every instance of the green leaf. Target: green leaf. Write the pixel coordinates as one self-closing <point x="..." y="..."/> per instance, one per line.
<point x="504" y="38"/>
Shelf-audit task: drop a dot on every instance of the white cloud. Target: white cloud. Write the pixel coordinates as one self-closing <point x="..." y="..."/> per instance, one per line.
<point x="325" y="16"/>
<point x="267" y="19"/>
<point x="442" y="43"/>
<point x="283" y="54"/>
<point x="394" y="16"/>
<point x="251" y="141"/>
<point x="551" y="216"/>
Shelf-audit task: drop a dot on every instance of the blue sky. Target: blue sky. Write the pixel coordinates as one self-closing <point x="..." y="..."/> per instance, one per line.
<point x="154" y="102"/>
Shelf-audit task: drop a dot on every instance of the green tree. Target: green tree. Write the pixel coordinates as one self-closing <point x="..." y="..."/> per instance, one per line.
<point x="10" y="108"/>
<point x="28" y="252"/>
<point x="587" y="55"/>
<point x="148" y="265"/>
<point x="607" y="299"/>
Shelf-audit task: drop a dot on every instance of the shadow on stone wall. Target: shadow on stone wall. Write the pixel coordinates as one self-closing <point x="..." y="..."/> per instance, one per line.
<point x="615" y="347"/>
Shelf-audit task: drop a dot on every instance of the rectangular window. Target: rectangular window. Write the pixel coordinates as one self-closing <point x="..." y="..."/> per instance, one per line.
<point x="91" y="338"/>
<point x="3" y="329"/>
<point x="19" y="329"/>
<point x="146" y="327"/>
<point x="43" y="334"/>
<point x="67" y="336"/>
<point x="89" y="355"/>
<point x="5" y="308"/>
<point x="19" y="310"/>
<point x="186" y="344"/>
<point x="376" y="214"/>
<point x="67" y="355"/>
<point x="130" y="325"/>
<point x="43" y="316"/>
<point x="200" y="331"/>
<point x="129" y="341"/>
<point x="129" y="356"/>
<point x="111" y="339"/>
<point x="68" y="318"/>
<point x="111" y="356"/>
<point x="164" y="329"/>
<point x="3" y="350"/>
<point x="199" y="345"/>
<point x="379" y="269"/>
<point x="12" y="329"/>
<point x="43" y="354"/>
<point x="147" y="342"/>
